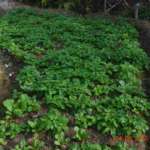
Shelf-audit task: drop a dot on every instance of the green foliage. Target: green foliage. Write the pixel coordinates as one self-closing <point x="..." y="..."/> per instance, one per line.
<point x="88" y="146"/>
<point x="145" y="12"/>
<point x="24" y="104"/>
<point x="53" y="122"/>
<point x="36" y="145"/>
<point x="10" y="129"/>
<point x="78" y="74"/>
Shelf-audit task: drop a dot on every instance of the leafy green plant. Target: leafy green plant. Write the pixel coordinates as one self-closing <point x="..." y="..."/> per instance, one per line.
<point x="53" y="122"/>
<point x="24" y="104"/>
<point x="90" y="146"/>
<point x="80" y="134"/>
<point x="35" y="145"/>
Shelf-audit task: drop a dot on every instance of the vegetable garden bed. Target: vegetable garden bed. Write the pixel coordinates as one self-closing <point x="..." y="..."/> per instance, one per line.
<point x="80" y="82"/>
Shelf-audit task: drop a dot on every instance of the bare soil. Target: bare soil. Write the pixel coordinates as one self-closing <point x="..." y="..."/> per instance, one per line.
<point x="9" y="67"/>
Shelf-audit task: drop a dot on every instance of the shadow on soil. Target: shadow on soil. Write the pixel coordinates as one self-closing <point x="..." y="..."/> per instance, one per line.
<point x="144" y="38"/>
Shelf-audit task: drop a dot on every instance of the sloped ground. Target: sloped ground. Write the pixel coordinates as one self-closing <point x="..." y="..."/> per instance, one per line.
<point x="144" y="38"/>
<point x="79" y="83"/>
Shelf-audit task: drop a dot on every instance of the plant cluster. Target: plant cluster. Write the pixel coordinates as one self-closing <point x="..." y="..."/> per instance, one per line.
<point x="85" y="74"/>
<point x="145" y="12"/>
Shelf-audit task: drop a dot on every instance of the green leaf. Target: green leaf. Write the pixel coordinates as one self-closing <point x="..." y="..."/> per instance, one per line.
<point x="8" y="104"/>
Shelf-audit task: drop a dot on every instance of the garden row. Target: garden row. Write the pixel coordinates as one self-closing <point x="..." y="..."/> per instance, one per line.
<point x="80" y="81"/>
